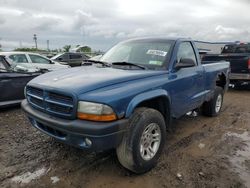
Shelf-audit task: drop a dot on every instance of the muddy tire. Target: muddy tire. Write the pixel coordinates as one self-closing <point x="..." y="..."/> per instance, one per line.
<point x="213" y="107"/>
<point x="142" y="144"/>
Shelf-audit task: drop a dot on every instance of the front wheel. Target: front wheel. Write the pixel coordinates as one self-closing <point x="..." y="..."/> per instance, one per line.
<point x="213" y="107"/>
<point x="142" y="144"/>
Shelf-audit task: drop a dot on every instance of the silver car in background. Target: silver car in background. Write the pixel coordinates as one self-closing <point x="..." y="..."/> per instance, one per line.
<point x="32" y="60"/>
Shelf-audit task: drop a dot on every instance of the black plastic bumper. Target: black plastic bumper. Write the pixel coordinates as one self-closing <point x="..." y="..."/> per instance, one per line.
<point x="92" y="136"/>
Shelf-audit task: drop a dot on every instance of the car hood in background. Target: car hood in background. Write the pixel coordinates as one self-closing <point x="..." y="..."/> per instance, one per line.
<point x="50" y="67"/>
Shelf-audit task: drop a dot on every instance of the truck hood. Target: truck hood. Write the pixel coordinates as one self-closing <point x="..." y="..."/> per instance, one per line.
<point x="84" y="79"/>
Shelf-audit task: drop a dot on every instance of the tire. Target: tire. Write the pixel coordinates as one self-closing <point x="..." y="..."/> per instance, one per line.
<point x="213" y="107"/>
<point x="129" y="152"/>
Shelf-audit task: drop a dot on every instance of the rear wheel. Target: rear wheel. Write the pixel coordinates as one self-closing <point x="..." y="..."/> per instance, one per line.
<point x="213" y="107"/>
<point x="142" y="144"/>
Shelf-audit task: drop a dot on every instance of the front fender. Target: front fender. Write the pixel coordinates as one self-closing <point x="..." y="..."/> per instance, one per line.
<point x="143" y="97"/>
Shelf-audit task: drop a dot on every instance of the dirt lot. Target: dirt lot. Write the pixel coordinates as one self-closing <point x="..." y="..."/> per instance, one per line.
<point x="202" y="152"/>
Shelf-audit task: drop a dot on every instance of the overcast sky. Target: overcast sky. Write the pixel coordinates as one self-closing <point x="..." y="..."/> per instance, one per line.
<point x="102" y="23"/>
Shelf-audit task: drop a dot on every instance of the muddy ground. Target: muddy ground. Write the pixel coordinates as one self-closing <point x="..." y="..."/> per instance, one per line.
<point x="202" y="152"/>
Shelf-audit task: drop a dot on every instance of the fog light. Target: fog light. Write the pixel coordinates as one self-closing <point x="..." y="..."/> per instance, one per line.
<point x="88" y="142"/>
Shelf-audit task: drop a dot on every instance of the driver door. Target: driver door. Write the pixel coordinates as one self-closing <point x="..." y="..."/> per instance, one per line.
<point x="187" y="83"/>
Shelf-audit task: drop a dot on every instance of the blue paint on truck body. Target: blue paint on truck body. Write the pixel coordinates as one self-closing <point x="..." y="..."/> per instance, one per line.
<point x="123" y="90"/>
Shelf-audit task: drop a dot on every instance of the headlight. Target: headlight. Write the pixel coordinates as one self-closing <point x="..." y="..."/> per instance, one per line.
<point x="95" y="111"/>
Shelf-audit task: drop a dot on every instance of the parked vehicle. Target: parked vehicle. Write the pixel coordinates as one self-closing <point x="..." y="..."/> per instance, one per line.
<point x="238" y="55"/>
<point x="70" y="58"/>
<point x="96" y="57"/>
<point x="32" y="60"/>
<point x="128" y="100"/>
<point x="12" y="82"/>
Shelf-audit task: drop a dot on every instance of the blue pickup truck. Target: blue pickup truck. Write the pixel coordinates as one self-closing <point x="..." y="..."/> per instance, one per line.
<point x="126" y="100"/>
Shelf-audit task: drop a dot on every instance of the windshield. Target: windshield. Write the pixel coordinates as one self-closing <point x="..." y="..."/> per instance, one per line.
<point x="56" y="56"/>
<point x="3" y="67"/>
<point x="142" y="52"/>
<point x="7" y="68"/>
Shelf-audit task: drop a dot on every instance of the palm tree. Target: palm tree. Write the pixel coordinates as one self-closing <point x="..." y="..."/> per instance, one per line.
<point x="66" y="48"/>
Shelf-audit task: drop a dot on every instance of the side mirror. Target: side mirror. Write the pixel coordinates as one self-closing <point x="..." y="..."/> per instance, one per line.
<point x="52" y="62"/>
<point x="185" y="63"/>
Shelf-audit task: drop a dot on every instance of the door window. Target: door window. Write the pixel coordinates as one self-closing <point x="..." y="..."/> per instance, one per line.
<point x="39" y="59"/>
<point x="18" y="58"/>
<point x="186" y="51"/>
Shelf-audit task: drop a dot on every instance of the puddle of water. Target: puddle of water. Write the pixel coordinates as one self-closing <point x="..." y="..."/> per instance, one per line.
<point x="241" y="157"/>
<point x="201" y="145"/>
<point x="28" y="176"/>
<point x="54" y="179"/>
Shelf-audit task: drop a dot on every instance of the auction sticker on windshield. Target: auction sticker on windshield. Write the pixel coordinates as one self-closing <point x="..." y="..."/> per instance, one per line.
<point x="157" y="52"/>
<point x="159" y="63"/>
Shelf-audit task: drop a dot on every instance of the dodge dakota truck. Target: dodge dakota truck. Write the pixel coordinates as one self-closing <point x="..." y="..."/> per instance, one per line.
<point x="238" y="55"/>
<point x="127" y="98"/>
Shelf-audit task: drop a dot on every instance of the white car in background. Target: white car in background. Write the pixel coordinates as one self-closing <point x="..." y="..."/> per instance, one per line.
<point x="32" y="61"/>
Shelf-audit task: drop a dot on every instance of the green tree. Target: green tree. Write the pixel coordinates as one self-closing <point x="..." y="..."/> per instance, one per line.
<point x="28" y="49"/>
<point x="85" y="49"/>
<point x="66" y="48"/>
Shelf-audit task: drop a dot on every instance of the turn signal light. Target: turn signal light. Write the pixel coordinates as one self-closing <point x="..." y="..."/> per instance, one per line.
<point x="94" y="117"/>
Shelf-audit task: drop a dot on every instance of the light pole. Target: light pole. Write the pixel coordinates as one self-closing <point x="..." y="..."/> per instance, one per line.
<point x="35" y="39"/>
<point x="48" y="45"/>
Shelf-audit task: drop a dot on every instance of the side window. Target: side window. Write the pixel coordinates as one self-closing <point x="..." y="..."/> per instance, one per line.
<point x="65" y="57"/>
<point x="186" y="51"/>
<point x="18" y="58"/>
<point x="75" y="56"/>
<point x="38" y="59"/>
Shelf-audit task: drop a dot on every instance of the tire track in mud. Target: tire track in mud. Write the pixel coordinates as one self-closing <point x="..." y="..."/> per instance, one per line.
<point x="185" y="142"/>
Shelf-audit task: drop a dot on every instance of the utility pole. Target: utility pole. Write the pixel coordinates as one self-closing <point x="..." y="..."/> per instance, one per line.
<point x="20" y="44"/>
<point x="35" y="39"/>
<point x="48" y="45"/>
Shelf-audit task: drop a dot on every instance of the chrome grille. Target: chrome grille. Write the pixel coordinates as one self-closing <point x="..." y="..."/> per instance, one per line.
<point x="50" y="102"/>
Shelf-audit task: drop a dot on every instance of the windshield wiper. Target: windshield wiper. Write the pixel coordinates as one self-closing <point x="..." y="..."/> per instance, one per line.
<point x="129" y="64"/>
<point x="90" y="62"/>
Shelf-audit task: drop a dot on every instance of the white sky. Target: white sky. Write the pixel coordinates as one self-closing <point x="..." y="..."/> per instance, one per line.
<point x="102" y="23"/>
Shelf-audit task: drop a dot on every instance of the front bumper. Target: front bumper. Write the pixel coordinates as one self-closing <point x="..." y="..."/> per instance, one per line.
<point x="87" y="135"/>
<point x="239" y="76"/>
